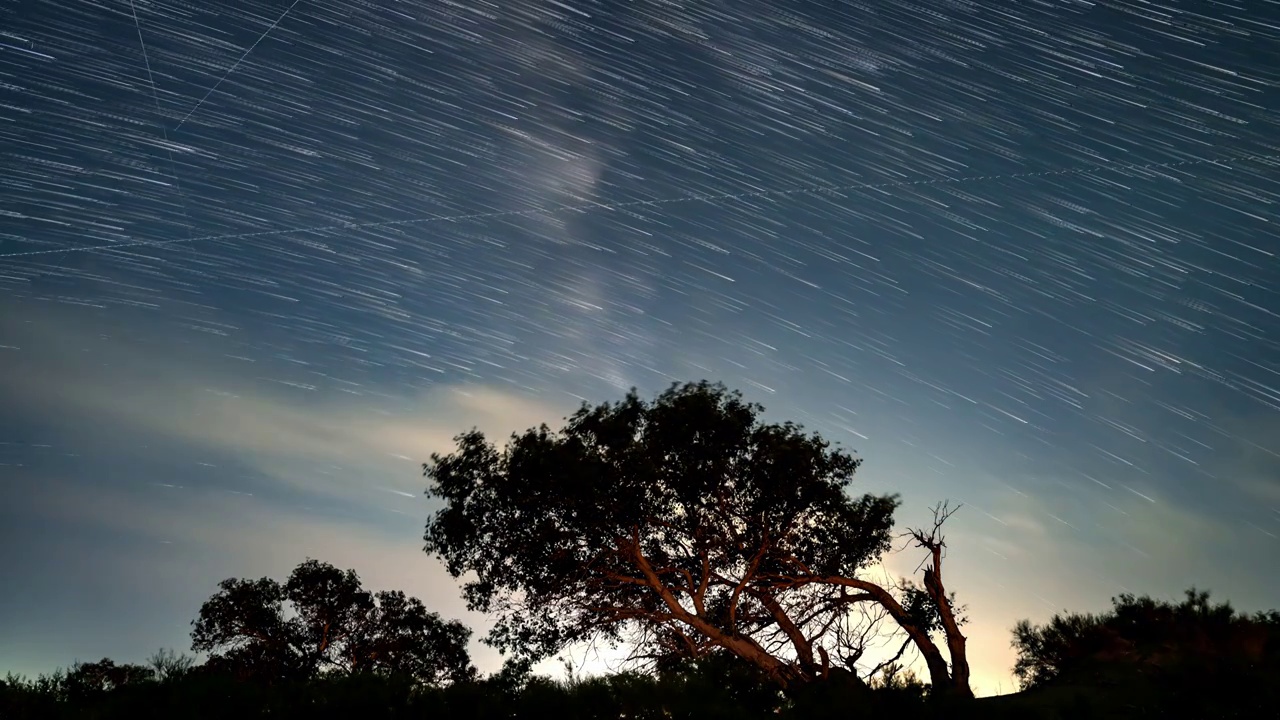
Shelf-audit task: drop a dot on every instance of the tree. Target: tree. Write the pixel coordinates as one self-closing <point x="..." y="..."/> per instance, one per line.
<point x="402" y="638"/>
<point x="330" y="624"/>
<point x="40" y="697"/>
<point x="688" y="524"/>
<point x="89" y="680"/>
<point x="168" y="665"/>
<point x="1147" y="636"/>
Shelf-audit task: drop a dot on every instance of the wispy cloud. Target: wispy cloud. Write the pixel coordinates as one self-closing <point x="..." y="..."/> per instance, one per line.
<point x="183" y="396"/>
<point x="150" y="547"/>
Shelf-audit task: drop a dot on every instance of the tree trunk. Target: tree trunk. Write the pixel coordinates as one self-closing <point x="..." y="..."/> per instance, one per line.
<point x="958" y="685"/>
<point x="942" y="679"/>
<point x="839" y="685"/>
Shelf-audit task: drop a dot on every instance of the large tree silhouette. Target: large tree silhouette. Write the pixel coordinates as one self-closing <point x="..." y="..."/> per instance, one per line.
<point x="321" y="620"/>
<point x="688" y="525"/>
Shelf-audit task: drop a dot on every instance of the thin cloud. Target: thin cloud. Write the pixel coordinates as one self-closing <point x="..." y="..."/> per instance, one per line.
<point x="164" y="395"/>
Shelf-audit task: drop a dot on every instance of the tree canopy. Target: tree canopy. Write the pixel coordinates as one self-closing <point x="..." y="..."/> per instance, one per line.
<point x="1147" y="635"/>
<point x="684" y="525"/>
<point x="322" y="620"/>
<point x="86" y="680"/>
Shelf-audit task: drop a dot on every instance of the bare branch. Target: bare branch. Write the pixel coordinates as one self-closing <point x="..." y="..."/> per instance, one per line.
<point x="898" y="656"/>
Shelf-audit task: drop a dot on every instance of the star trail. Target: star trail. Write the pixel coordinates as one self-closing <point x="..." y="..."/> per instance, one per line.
<point x="259" y="259"/>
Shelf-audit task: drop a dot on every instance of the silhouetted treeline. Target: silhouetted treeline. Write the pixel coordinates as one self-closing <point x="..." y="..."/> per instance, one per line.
<point x="1145" y="658"/>
<point x="720" y="688"/>
<point x="1194" y="657"/>
<point x="730" y="553"/>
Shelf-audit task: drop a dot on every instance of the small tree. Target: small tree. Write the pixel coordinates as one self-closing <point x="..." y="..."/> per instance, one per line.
<point x="168" y="665"/>
<point x="90" y="680"/>
<point x="688" y="525"/>
<point x="333" y="625"/>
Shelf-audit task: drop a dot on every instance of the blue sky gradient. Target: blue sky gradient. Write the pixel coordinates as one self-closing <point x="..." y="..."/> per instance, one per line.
<point x="253" y="275"/>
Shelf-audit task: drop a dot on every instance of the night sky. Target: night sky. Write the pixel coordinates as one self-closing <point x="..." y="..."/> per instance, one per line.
<point x="259" y="259"/>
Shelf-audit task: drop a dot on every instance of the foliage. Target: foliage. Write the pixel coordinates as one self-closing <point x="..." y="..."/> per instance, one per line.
<point x="898" y="679"/>
<point x="1144" y="633"/>
<point x="1236" y="680"/>
<point x="87" y="680"/>
<point x="166" y="664"/>
<point x="321" y="620"/>
<point x="697" y="691"/>
<point x="1194" y="657"/>
<point x="685" y="526"/>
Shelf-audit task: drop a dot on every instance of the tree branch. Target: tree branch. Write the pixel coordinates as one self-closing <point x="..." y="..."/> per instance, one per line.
<point x="744" y="647"/>
<point x="906" y="644"/>
<point x="804" y="650"/>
